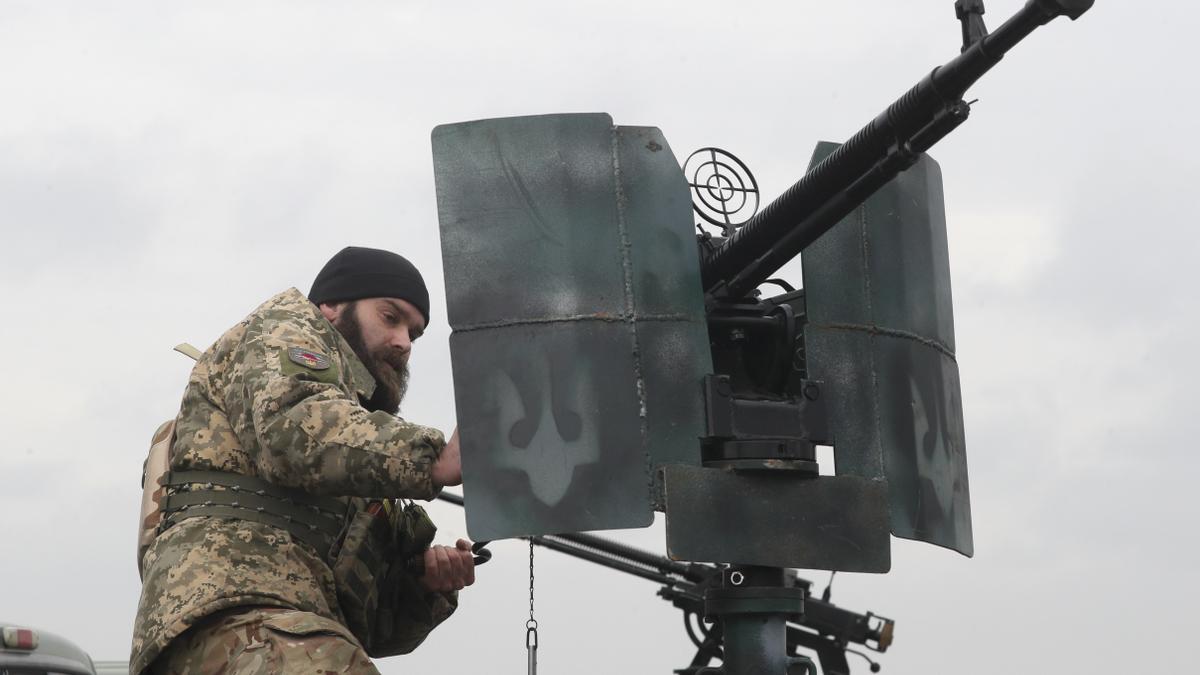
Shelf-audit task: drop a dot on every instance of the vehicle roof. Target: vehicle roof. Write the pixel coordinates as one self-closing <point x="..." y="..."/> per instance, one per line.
<point x="53" y="653"/>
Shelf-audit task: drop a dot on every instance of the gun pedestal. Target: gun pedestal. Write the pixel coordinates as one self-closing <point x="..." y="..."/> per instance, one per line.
<point x="753" y="607"/>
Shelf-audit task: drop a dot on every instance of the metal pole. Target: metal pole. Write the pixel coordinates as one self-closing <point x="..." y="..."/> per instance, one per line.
<point x="755" y="643"/>
<point x="754" y="606"/>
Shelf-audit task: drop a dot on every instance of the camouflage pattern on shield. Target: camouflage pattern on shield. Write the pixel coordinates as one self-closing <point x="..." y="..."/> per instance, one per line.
<point x="579" y="339"/>
<point x="881" y="327"/>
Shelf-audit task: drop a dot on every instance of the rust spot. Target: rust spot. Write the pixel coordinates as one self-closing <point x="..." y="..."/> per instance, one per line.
<point x="653" y="147"/>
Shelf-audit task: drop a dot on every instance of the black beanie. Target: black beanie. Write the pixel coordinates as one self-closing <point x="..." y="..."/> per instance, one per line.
<point x="356" y="273"/>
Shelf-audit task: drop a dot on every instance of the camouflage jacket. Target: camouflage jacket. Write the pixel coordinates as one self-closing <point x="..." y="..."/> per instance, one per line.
<point x="253" y="409"/>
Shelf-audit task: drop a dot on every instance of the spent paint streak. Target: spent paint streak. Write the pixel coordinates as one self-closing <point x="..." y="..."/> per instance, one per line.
<point x="527" y="200"/>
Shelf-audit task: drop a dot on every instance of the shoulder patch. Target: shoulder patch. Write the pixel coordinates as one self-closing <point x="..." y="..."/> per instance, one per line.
<point x="308" y="365"/>
<point x="308" y="358"/>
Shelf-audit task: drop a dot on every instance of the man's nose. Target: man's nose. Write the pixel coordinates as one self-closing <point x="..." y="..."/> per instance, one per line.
<point x="401" y="340"/>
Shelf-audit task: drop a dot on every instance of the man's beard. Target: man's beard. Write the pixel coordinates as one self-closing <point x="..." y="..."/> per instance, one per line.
<point x="391" y="374"/>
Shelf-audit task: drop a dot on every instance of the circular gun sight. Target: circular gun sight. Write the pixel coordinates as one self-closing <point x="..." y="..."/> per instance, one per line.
<point x="724" y="192"/>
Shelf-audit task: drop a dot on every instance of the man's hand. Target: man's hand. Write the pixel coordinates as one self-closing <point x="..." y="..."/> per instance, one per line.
<point x="449" y="569"/>
<point x="447" y="470"/>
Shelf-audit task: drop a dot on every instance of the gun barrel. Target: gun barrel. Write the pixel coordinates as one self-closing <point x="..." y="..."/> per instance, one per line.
<point x="868" y="160"/>
<point x="829" y="619"/>
<point x="604" y="551"/>
<point x="563" y="545"/>
<point x="457" y="500"/>
<point x="617" y="549"/>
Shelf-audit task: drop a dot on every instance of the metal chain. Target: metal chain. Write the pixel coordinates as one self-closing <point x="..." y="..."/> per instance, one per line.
<point x="531" y="626"/>
<point x="532" y="622"/>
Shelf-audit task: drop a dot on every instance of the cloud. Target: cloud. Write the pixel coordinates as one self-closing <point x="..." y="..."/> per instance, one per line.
<point x="1002" y="250"/>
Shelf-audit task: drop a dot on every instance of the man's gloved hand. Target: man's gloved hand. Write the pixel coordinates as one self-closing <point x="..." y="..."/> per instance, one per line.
<point x="449" y="569"/>
<point x="447" y="470"/>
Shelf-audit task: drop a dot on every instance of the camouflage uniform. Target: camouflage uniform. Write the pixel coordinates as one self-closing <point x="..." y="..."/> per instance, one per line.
<point x="264" y="640"/>
<point x="252" y="408"/>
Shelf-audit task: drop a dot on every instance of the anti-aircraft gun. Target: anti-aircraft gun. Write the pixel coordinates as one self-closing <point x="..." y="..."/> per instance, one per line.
<point x="604" y="371"/>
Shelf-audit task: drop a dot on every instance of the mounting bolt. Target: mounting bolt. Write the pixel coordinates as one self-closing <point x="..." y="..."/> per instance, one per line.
<point x="723" y="387"/>
<point x="811" y="391"/>
<point x="736" y="578"/>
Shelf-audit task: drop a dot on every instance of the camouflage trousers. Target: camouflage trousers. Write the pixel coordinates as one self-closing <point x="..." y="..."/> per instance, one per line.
<point x="264" y="641"/>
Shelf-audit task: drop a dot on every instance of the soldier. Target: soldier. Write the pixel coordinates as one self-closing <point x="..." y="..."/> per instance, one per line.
<point x="281" y="547"/>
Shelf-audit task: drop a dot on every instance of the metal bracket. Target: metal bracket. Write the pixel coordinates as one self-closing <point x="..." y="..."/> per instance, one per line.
<point x="763" y="433"/>
<point x="970" y="13"/>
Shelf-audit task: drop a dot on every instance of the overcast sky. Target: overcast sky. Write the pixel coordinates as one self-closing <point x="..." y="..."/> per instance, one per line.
<point x="165" y="167"/>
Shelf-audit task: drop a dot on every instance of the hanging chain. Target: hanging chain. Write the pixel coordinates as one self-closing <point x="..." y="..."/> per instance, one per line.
<point x="531" y="636"/>
<point x="531" y="624"/>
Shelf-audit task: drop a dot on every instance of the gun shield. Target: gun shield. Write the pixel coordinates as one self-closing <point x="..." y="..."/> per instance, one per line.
<point x="881" y="332"/>
<point x="579" y="339"/>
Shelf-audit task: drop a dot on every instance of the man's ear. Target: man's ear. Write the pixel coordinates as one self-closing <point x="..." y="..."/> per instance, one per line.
<point x="332" y="312"/>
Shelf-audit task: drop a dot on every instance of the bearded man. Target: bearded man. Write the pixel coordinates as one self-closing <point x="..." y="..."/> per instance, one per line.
<point x="281" y="546"/>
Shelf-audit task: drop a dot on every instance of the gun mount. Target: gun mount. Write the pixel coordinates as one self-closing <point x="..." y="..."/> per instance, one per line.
<point x="822" y="628"/>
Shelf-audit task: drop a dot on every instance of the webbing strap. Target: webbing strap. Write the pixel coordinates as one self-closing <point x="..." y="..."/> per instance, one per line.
<point x="313" y="519"/>
<point x="188" y="351"/>
<point x="306" y="516"/>
<point x="318" y="540"/>
<point x="237" y="481"/>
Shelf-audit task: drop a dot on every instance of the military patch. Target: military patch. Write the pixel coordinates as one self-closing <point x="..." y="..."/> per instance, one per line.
<point x="308" y="359"/>
<point x="307" y="364"/>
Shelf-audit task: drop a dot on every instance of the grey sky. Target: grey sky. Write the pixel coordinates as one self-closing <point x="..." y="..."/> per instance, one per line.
<point x="166" y="166"/>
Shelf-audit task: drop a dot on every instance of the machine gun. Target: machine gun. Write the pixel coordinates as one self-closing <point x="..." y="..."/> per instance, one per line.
<point x="822" y="628"/>
<point x="874" y="155"/>
<point x="790" y="371"/>
<point x="766" y="410"/>
<point x="592" y="346"/>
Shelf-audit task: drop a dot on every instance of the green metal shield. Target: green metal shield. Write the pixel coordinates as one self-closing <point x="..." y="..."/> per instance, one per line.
<point x="579" y="340"/>
<point x="880" y="333"/>
<point x="776" y="519"/>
